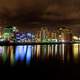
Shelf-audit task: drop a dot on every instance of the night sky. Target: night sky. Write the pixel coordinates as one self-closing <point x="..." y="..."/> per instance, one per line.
<point x="32" y="13"/>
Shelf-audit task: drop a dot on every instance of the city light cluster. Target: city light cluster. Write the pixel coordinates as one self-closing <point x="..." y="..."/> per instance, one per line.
<point x="11" y="34"/>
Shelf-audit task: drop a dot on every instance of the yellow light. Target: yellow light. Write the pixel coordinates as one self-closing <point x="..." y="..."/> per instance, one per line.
<point x="48" y="50"/>
<point x="75" y="50"/>
<point x="56" y="48"/>
<point x="75" y="38"/>
<point x="38" y="51"/>
<point x="11" y="55"/>
<point x="0" y="36"/>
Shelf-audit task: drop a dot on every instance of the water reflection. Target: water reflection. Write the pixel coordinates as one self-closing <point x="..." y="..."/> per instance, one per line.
<point x="27" y="52"/>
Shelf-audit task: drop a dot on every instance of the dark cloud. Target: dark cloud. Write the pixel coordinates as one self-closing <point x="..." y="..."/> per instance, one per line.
<point x="61" y="10"/>
<point x="21" y="10"/>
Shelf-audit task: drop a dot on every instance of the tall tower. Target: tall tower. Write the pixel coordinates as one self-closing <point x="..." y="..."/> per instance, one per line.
<point x="54" y="46"/>
<point x="44" y="32"/>
<point x="44" y="38"/>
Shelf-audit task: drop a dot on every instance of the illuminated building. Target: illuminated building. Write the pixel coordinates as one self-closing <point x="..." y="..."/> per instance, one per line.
<point x="41" y="36"/>
<point x="54" y="47"/>
<point x="31" y="38"/>
<point x="44" y="37"/>
<point x="19" y="53"/>
<point x="76" y="48"/>
<point x="79" y="48"/>
<point x="1" y="48"/>
<point x="59" y="51"/>
<point x="8" y="35"/>
<point x="1" y="40"/>
<point x="22" y="51"/>
<point x="36" y="48"/>
<point x="65" y="50"/>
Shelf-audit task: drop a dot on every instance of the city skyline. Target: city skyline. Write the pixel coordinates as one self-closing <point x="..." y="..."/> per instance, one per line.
<point x="62" y="44"/>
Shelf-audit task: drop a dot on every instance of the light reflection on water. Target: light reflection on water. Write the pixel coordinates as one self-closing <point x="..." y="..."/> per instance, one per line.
<point x="25" y="52"/>
<point x="22" y="51"/>
<point x="28" y="54"/>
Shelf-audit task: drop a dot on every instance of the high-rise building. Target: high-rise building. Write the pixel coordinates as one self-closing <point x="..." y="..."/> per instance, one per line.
<point x="44" y="34"/>
<point x="65" y="50"/>
<point x="53" y="46"/>
<point x="76" y="48"/>
<point x="44" y="38"/>
<point x="41" y="36"/>
<point x="36" y="49"/>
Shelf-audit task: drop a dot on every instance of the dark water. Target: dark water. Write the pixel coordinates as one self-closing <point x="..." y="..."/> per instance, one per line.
<point x="48" y="66"/>
<point x="41" y="70"/>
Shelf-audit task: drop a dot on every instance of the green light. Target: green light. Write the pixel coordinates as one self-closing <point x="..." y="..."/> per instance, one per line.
<point x="6" y="35"/>
<point x="4" y="55"/>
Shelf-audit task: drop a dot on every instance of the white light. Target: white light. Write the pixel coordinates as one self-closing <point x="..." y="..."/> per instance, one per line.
<point x="56" y="47"/>
<point x="63" y="50"/>
<point x="75" y="37"/>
